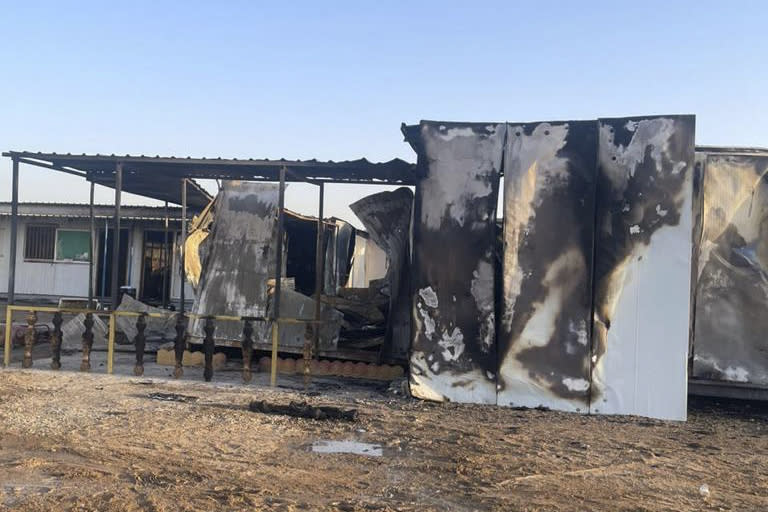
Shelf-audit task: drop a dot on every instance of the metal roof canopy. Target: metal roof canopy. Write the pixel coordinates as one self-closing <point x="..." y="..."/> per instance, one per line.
<point x="158" y="177"/>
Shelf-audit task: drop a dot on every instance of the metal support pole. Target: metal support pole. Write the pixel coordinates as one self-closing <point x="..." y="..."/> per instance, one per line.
<point x="278" y="279"/>
<point x="111" y="342"/>
<point x="182" y="255"/>
<point x="116" y="238"/>
<point x="311" y="347"/>
<point x="7" y="340"/>
<point x="92" y="250"/>
<point x="164" y="259"/>
<point x="104" y="261"/>
<point x="14" y="235"/>
<point x="319" y="266"/>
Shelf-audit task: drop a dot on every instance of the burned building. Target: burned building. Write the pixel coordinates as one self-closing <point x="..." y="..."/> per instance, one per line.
<point x="586" y="266"/>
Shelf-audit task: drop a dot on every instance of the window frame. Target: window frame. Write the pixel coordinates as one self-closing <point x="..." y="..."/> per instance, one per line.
<point x="26" y="242"/>
<point x="56" y="244"/>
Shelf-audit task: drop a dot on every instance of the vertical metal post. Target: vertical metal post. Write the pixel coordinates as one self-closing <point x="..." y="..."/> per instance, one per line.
<point x="182" y="255"/>
<point x="104" y="261"/>
<point x="14" y="234"/>
<point x="311" y="347"/>
<point x="319" y="266"/>
<point x="111" y="342"/>
<point x="164" y="259"/>
<point x="7" y="341"/>
<point x="116" y="238"/>
<point x="92" y="250"/>
<point x="278" y="279"/>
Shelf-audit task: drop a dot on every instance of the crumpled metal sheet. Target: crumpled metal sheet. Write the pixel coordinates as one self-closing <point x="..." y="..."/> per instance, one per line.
<point x="642" y="266"/>
<point x="296" y="305"/>
<point x="157" y="327"/>
<point x="241" y="258"/>
<point x="387" y="218"/>
<point x="453" y="353"/>
<point x="544" y="338"/>
<point x="731" y="315"/>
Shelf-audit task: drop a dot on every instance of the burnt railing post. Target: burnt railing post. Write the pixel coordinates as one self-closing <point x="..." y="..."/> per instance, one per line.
<point x="208" y="346"/>
<point x="56" y="341"/>
<point x="179" y="344"/>
<point x="140" y="341"/>
<point x="29" y="339"/>
<point x="247" y="347"/>
<point x="85" y="365"/>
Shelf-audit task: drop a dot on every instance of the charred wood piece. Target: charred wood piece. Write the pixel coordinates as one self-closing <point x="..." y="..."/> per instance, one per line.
<point x="304" y="410"/>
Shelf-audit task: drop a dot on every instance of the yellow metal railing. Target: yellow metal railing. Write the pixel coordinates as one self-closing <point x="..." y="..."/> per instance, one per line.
<point x="113" y="321"/>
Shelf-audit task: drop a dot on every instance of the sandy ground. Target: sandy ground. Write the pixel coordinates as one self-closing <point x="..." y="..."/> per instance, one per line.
<point x="73" y="441"/>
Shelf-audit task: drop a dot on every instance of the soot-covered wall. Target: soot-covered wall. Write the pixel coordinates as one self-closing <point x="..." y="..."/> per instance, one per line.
<point x="595" y="284"/>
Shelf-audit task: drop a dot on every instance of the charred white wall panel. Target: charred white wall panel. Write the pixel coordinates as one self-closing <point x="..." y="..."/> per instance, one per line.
<point x="544" y="338"/>
<point x="453" y="353"/>
<point x="642" y="266"/>
<point x="731" y="318"/>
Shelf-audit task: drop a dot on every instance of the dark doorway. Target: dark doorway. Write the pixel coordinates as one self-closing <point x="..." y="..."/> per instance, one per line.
<point x="104" y="268"/>
<point x="155" y="267"/>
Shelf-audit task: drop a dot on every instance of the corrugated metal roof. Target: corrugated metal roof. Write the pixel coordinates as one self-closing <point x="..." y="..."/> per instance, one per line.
<point x="394" y="171"/>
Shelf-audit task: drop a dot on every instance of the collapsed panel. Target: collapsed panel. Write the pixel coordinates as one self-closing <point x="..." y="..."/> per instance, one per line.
<point x="549" y="188"/>
<point x="240" y="259"/>
<point x="642" y="266"/>
<point x="453" y="352"/>
<point x="732" y="285"/>
<point x="387" y="218"/>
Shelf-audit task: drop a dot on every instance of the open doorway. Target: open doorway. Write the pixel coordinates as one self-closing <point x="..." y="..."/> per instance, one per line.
<point x="104" y="267"/>
<point x="155" y="267"/>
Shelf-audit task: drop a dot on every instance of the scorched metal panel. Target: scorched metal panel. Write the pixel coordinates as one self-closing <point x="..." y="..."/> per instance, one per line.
<point x="731" y="317"/>
<point x="387" y="217"/>
<point x="549" y="189"/>
<point x="453" y="354"/>
<point x="240" y="259"/>
<point x="642" y="266"/>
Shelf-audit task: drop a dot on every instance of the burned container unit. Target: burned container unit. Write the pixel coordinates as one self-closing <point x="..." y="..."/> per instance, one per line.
<point x="729" y="348"/>
<point x="595" y="273"/>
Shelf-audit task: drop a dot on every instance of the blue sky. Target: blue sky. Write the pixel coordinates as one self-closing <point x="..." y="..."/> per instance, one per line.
<point x="334" y="80"/>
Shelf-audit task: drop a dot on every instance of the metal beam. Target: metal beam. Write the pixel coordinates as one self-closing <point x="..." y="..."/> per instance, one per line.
<point x="164" y="259"/>
<point x="92" y="250"/>
<point x="116" y="238"/>
<point x="319" y="267"/>
<point x="278" y="279"/>
<point x="48" y="165"/>
<point x="182" y="252"/>
<point x="14" y="234"/>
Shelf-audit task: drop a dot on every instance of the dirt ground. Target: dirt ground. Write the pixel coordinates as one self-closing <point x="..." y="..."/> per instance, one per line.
<point x="74" y="441"/>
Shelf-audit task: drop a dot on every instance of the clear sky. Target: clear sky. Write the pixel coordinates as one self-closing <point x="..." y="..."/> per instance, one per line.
<point x="334" y="80"/>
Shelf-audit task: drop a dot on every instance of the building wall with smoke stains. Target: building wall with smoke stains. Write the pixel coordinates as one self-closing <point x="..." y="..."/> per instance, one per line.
<point x="594" y="291"/>
<point x="731" y="294"/>
<point x="453" y="350"/>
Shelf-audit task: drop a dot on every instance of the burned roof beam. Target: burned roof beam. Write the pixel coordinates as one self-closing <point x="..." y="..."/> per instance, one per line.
<point x="52" y="166"/>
